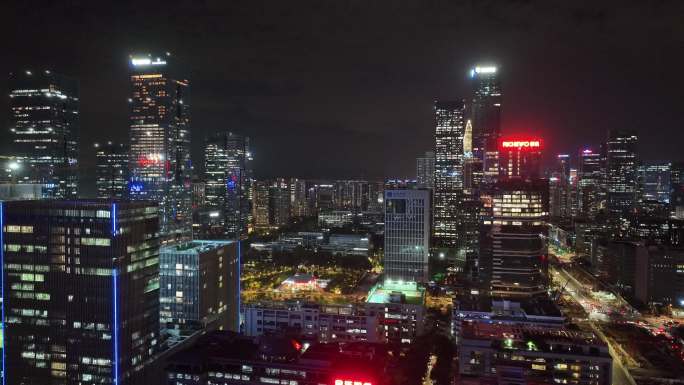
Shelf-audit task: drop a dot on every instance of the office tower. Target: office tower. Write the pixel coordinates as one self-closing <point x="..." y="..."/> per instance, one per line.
<point x="520" y="157"/>
<point x="590" y="183"/>
<point x="560" y="205"/>
<point x="425" y="170"/>
<point x="159" y="123"/>
<point x="228" y="177"/>
<point x="621" y="171"/>
<point x="44" y="125"/>
<point x="111" y="170"/>
<point x="298" y="201"/>
<point x="81" y="291"/>
<point x="654" y="182"/>
<point x="448" y="193"/>
<point x="513" y="255"/>
<point x="677" y="190"/>
<point x="260" y="205"/>
<point x="199" y="287"/>
<point x="279" y="202"/>
<point x="407" y="235"/>
<point x="485" y="114"/>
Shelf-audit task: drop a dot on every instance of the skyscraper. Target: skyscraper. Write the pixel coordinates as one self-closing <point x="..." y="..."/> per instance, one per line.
<point x="654" y="181"/>
<point x="559" y="185"/>
<point x="513" y="256"/>
<point x="111" y="170"/>
<point x="228" y="177"/>
<point x="160" y="141"/>
<point x="260" y="206"/>
<point x="621" y="171"/>
<point x="520" y="157"/>
<point x="485" y="114"/>
<point x="82" y="291"/>
<point x="407" y="235"/>
<point x="425" y="170"/>
<point x="590" y="184"/>
<point x="448" y="193"/>
<point x="44" y="124"/>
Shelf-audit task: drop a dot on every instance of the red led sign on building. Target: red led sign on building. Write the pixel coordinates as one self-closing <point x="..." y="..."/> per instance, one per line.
<point x="340" y="381"/>
<point x="521" y="144"/>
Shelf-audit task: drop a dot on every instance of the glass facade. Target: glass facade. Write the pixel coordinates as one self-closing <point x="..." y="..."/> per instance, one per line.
<point x="111" y="170"/>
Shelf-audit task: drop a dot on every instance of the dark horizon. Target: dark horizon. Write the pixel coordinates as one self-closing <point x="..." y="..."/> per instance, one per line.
<point x="347" y="90"/>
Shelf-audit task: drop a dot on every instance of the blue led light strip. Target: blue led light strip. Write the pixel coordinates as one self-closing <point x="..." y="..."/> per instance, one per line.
<point x="115" y="323"/>
<point x="2" y="288"/>
<point x="113" y="219"/>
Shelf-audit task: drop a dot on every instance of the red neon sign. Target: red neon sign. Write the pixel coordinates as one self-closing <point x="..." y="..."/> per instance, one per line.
<point x="520" y="144"/>
<point x="340" y="381"/>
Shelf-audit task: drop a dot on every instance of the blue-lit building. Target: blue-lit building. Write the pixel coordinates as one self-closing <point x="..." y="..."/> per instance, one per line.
<point x="81" y="291"/>
<point x="199" y="287"/>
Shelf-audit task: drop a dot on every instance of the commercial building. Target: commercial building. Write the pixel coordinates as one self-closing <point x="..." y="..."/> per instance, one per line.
<point x="520" y="157"/>
<point x="401" y="308"/>
<point x="621" y="172"/>
<point x="159" y="122"/>
<point x="199" y="287"/>
<point x="407" y="235"/>
<point x="260" y="206"/>
<point x="313" y="322"/>
<point x="81" y="291"/>
<point x="43" y="129"/>
<point x="425" y="170"/>
<point x="591" y="194"/>
<point x="485" y="115"/>
<point x="560" y="197"/>
<point x="224" y="358"/>
<point x="513" y="256"/>
<point x="111" y="170"/>
<point x="655" y="182"/>
<point x="335" y="219"/>
<point x="511" y="354"/>
<point x="228" y="176"/>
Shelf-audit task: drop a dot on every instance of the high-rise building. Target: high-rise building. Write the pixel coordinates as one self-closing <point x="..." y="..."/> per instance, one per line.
<point x="260" y="205"/>
<point x="279" y="202"/>
<point x="407" y="235"/>
<point x="81" y="291"/>
<point x="654" y="182"/>
<point x="560" y="205"/>
<point x="513" y="255"/>
<point x="425" y="170"/>
<point x="228" y="177"/>
<point x="111" y="170"/>
<point x="448" y="193"/>
<point x="298" y="200"/>
<point x="159" y="123"/>
<point x="621" y="171"/>
<point x="677" y="190"/>
<point x="590" y="183"/>
<point x="520" y="157"/>
<point x="199" y="287"/>
<point x="43" y="129"/>
<point x="485" y="114"/>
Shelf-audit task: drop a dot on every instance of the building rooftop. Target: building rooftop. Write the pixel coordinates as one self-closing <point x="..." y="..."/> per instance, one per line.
<point x="537" y="306"/>
<point x="195" y="246"/>
<point x="388" y="292"/>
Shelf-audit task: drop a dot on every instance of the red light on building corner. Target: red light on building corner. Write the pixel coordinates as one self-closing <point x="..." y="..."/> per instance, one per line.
<point x="340" y="381"/>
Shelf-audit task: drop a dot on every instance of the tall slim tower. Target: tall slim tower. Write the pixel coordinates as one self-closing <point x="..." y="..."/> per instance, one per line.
<point x="448" y="193"/>
<point x="590" y="183"/>
<point x="44" y="124"/>
<point x="160" y="141"/>
<point x="485" y="112"/>
<point x="112" y="170"/>
<point x="425" y="170"/>
<point x="81" y="291"/>
<point x="228" y="178"/>
<point x="621" y="171"/>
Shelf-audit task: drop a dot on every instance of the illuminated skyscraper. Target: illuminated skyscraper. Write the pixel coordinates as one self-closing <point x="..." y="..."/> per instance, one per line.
<point x="425" y="170"/>
<point x="160" y="141"/>
<point x="560" y="205"/>
<point x="228" y="177"/>
<point x="82" y="291"/>
<point x="520" y="158"/>
<point x="112" y="170"/>
<point x="407" y="235"/>
<point x="448" y="193"/>
<point x="44" y="124"/>
<point x="485" y="113"/>
<point x="654" y="182"/>
<point x="260" y="205"/>
<point x="590" y="184"/>
<point x="621" y="171"/>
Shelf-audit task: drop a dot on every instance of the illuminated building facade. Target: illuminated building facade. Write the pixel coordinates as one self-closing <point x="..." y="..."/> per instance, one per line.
<point x="520" y="157"/>
<point x="111" y="170"/>
<point x="448" y="237"/>
<point x="43" y="129"/>
<point x="425" y="170"/>
<point x="590" y="183"/>
<point x="82" y="291"/>
<point x="485" y="115"/>
<point x="655" y="182"/>
<point x="621" y="172"/>
<point x="228" y="178"/>
<point x="199" y="286"/>
<point x="513" y="256"/>
<point x="159" y="122"/>
<point x="560" y="198"/>
<point x="260" y="205"/>
<point x="279" y="202"/>
<point x="407" y="235"/>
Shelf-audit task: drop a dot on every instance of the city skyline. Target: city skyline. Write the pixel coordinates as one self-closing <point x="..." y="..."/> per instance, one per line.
<point x="260" y="91"/>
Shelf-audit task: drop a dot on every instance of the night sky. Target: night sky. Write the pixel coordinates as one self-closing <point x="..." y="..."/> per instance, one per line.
<point x="345" y="88"/>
